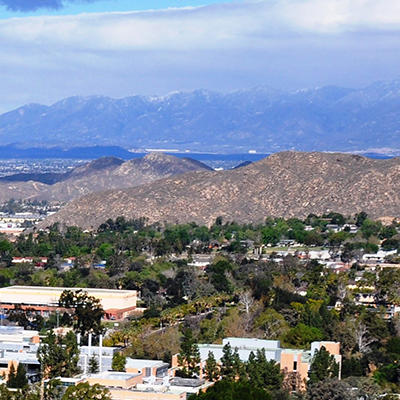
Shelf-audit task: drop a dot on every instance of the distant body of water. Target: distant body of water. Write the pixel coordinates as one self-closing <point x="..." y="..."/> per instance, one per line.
<point x="51" y="155"/>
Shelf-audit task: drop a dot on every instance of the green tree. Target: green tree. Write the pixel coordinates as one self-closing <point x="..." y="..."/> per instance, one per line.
<point x="93" y="365"/>
<point x="84" y="391"/>
<point x="302" y="335"/>
<point x="330" y="389"/>
<point x="59" y="356"/>
<point x="218" y="275"/>
<point x="88" y="311"/>
<point x="231" y="390"/>
<point x="11" y="377"/>
<point x="272" y="323"/>
<point x="370" y="228"/>
<point x="227" y="363"/>
<point x="118" y="362"/>
<point x="361" y="217"/>
<point x="5" y="394"/>
<point x="323" y="366"/>
<point x="189" y="356"/>
<point x="21" y="380"/>
<point x="105" y="250"/>
<point x="263" y="373"/>
<point x="53" y="390"/>
<point x="231" y="365"/>
<point x="211" y="369"/>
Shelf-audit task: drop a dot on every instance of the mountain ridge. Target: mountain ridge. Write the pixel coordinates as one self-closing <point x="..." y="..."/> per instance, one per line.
<point x="327" y="118"/>
<point x="287" y="184"/>
<point x="98" y="175"/>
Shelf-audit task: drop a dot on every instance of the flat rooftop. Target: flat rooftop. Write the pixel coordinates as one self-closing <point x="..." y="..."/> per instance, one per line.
<point x="141" y="363"/>
<point x="111" y="299"/>
<point x="61" y="289"/>
<point x="113" y="375"/>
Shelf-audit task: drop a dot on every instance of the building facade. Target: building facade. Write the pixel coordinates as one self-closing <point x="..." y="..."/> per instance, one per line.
<point x="117" y="304"/>
<point x="290" y="360"/>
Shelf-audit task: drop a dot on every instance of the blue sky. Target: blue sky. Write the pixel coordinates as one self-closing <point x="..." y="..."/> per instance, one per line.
<point x="77" y="7"/>
<point x="120" y="48"/>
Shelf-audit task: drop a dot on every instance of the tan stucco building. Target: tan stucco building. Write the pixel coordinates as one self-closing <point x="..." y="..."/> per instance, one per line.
<point x="117" y="304"/>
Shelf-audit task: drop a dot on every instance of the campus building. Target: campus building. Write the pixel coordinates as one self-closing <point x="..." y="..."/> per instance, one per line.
<point x="290" y="360"/>
<point x="117" y="304"/>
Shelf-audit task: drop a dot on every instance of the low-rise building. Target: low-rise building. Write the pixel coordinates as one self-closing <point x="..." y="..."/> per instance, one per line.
<point x="147" y="368"/>
<point x="117" y="304"/>
<point x="290" y="360"/>
<point x="123" y="380"/>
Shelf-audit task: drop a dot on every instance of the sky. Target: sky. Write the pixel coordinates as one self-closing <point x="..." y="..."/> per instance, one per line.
<point x="52" y="49"/>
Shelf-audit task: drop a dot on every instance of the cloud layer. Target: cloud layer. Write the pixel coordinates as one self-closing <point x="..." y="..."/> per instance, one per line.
<point x="33" y="5"/>
<point x="251" y="24"/>
<point x="283" y="43"/>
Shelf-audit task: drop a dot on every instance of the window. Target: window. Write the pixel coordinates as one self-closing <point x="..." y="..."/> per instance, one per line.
<point x="294" y="365"/>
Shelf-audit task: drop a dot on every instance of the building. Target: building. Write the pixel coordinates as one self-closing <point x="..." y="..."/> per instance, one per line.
<point x="147" y="368"/>
<point x="123" y="380"/>
<point x="103" y="355"/>
<point x="378" y="257"/>
<point x="19" y="346"/>
<point x="290" y="360"/>
<point x="201" y="260"/>
<point x="117" y="304"/>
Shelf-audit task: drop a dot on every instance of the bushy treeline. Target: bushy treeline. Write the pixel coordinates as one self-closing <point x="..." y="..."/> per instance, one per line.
<point x="292" y="300"/>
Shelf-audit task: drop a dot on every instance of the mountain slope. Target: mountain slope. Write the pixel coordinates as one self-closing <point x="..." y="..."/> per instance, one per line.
<point x="96" y="176"/>
<point x="20" y="190"/>
<point x="328" y="118"/>
<point x="284" y="184"/>
<point x="113" y="173"/>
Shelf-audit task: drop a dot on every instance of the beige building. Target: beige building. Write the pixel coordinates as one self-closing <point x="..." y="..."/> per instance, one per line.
<point x="122" y="380"/>
<point x="117" y="304"/>
<point x="131" y="386"/>
<point x="290" y="360"/>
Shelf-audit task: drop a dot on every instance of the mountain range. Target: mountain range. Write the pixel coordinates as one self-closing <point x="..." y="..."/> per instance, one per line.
<point x="96" y="176"/>
<point x="286" y="184"/>
<point x="267" y="120"/>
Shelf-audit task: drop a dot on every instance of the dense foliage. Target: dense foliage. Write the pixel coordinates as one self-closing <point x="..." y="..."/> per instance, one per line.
<point x="250" y="287"/>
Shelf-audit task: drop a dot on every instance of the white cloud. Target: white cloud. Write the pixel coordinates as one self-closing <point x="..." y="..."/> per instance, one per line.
<point x="284" y="43"/>
<point x="341" y="15"/>
<point x="204" y="27"/>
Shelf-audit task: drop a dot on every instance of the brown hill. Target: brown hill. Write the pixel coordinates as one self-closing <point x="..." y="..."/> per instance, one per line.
<point x="20" y="190"/>
<point x="285" y="184"/>
<point x="107" y="173"/>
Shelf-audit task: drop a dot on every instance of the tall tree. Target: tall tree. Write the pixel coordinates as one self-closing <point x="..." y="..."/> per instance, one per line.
<point x="189" y="356"/>
<point x="263" y="373"/>
<point x="88" y="311"/>
<point x="211" y="369"/>
<point x="59" y="356"/>
<point x="11" y="376"/>
<point x="227" y="363"/>
<point x="231" y="365"/>
<point x="323" y="366"/>
<point x="21" y="380"/>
